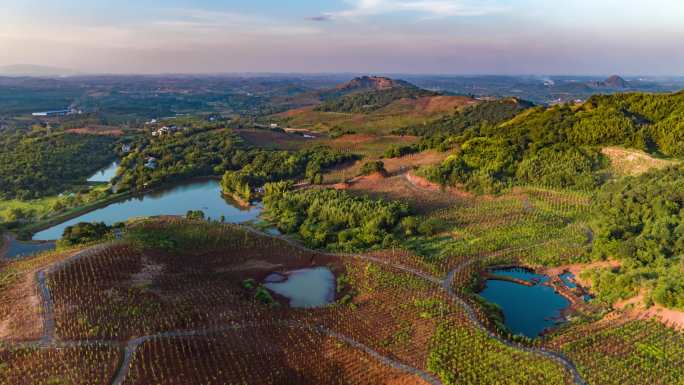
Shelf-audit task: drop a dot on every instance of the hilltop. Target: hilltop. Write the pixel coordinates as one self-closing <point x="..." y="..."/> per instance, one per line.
<point x="370" y="102"/>
<point x="613" y="82"/>
<point x="377" y="83"/>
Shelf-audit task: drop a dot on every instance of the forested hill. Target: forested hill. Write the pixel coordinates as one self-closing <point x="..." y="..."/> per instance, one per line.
<point x="557" y="146"/>
<point x="38" y="164"/>
<point x="366" y="94"/>
<point x="652" y="122"/>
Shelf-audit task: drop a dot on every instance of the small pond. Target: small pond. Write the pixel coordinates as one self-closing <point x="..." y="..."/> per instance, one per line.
<point x="19" y="249"/>
<point x="106" y="174"/>
<point x="568" y="280"/>
<point x="305" y="288"/>
<point x="202" y="195"/>
<point x="528" y="310"/>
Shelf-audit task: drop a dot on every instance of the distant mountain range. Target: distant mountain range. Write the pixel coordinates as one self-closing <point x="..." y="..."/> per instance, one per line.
<point x="35" y="70"/>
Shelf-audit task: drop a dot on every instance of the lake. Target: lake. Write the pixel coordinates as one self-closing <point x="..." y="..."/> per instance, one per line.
<point x="528" y="310"/>
<point x="106" y="174"/>
<point x="202" y="195"/>
<point x="18" y="249"/>
<point x="305" y="288"/>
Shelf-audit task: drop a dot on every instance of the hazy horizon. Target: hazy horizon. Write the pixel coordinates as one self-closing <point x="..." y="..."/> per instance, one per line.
<point x="417" y="37"/>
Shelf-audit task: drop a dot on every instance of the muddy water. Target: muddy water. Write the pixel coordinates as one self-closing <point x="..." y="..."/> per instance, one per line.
<point x="305" y="288"/>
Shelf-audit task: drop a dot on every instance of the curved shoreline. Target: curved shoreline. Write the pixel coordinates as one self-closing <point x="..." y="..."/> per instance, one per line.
<point x="117" y="198"/>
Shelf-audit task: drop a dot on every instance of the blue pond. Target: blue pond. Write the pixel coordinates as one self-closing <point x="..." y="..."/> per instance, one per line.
<point x="568" y="280"/>
<point x="305" y="288"/>
<point x="202" y="195"/>
<point x="528" y="310"/>
<point x="106" y="174"/>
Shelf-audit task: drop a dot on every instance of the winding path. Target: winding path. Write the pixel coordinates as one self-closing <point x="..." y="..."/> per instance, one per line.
<point x="49" y="337"/>
<point x="470" y="312"/>
<point x="133" y="345"/>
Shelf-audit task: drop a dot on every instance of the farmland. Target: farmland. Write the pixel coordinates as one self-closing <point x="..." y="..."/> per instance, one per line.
<point x="409" y="207"/>
<point x="141" y="306"/>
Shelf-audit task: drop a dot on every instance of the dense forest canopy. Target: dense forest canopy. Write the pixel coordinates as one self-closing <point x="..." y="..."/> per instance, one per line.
<point x="333" y="219"/>
<point x="521" y="149"/>
<point x="271" y="166"/>
<point x="39" y="163"/>
<point x="640" y="222"/>
<point x="182" y="155"/>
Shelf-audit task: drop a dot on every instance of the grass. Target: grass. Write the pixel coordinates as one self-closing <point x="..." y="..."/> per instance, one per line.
<point x="40" y="207"/>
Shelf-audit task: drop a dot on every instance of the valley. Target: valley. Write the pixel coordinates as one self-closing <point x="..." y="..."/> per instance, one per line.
<point x="366" y="232"/>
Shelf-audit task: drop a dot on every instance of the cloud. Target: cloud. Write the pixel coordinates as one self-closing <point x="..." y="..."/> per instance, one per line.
<point x="431" y="8"/>
<point x="323" y="17"/>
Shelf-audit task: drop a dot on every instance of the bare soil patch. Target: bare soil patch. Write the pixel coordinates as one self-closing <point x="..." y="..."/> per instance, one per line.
<point x="25" y="321"/>
<point x="270" y="138"/>
<point x="633" y="162"/>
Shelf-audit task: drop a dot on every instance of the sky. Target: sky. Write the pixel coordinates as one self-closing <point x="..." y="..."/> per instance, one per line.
<point x="542" y="37"/>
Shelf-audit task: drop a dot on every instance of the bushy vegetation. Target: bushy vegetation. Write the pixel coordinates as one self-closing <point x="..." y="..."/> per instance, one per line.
<point x="86" y="232"/>
<point x="640" y="222"/>
<point x="182" y="155"/>
<point x="482" y="164"/>
<point x="272" y="166"/>
<point x="373" y="166"/>
<point x="333" y="219"/>
<point x="397" y="151"/>
<point x="39" y="163"/>
<point x="562" y="166"/>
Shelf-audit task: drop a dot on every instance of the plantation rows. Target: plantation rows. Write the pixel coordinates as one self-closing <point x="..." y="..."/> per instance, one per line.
<point x="636" y="353"/>
<point x="151" y="286"/>
<point x="65" y="365"/>
<point x="258" y="355"/>
<point x="105" y="296"/>
<point x="520" y="219"/>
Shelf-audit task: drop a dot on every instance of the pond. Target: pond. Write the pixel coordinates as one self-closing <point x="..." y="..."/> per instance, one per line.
<point x="568" y="280"/>
<point x="19" y="249"/>
<point x="199" y="195"/>
<point x="305" y="288"/>
<point x="106" y="174"/>
<point x="528" y="310"/>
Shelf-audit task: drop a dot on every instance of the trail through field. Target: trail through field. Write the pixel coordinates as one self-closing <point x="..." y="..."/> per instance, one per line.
<point x="470" y="312"/>
<point x="48" y="306"/>
<point x="49" y="338"/>
<point x="133" y="345"/>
